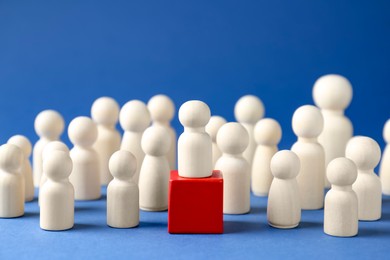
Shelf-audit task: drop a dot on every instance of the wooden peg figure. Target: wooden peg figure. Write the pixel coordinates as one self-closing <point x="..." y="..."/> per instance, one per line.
<point x="49" y="125"/>
<point x="26" y="170"/>
<point x="366" y="154"/>
<point x="122" y="191"/>
<point x="212" y="128"/>
<point x="384" y="170"/>
<point x="57" y="193"/>
<point x="11" y="182"/>
<point x="341" y="203"/>
<point x="284" y="209"/>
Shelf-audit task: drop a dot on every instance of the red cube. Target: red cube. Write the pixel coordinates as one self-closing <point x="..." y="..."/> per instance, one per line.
<point x="195" y="205"/>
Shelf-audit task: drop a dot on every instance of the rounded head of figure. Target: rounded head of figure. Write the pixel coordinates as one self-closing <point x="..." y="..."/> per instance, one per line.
<point x="307" y="122"/>
<point x="161" y="109"/>
<point x="341" y="172"/>
<point x="105" y="111"/>
<point x="285" y="164"/>
<point x="364" y="152"/>
<point x="122" y="165"/>
<point x="332" y="92"/>
<point x="134" y="116"/>
<point x="57" y="165"/>
<point x="232" y="138"/>
<point x="386" y="131"/>
<point x="248" y="110"/>
<point x="11" y="158"/>
<point x="267" y="132"/>
<point x="194" y="114"/>
<point x="156" y="141"/>
<point x="214" y="125"/>
<point x="82" y="131"/>
<point x="23" y="143"/>
<point x="54" y="146"/>
<point x="49" y="124"/>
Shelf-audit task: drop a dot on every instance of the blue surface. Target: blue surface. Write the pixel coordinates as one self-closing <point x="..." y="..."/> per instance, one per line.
<point x="65" y="54"/>
<point x="246" y="237"/>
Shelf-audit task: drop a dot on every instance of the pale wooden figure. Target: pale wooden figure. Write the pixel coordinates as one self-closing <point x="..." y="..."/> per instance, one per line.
<point x="384" y="170"/>
<point x="155" y="172"/>
<point x="57" y="193"/>
<point x="366" y="154"/>
<point x="284" y="209"/>
<point x="105" y="113"/>
<point x="307" y="124"/>
<point x="341" y="203"/>
<point x="49" y="125"/>
<point x="85" y="175"/>
<point x="134" y="118"/>
<point x="194" y="145"/>
<point x="122" y="191"/>
<point x="267" y="134"/>
<point x="212" y="128"/>
<point x="26" y="170"/>
<point x="11" y="182"/>
<point x="248" y="111"/>
<point x="162" y="111"/>
<point x="333" y="94"/>
<point x="233" y="139"/>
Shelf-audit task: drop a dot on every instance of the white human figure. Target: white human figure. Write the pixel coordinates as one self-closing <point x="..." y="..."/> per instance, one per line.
<point x="122" y="191"/>
<point x="11" y="182"/>
<point x="307" y="124"/>
<point x="248" y="111"/>
<point x="134" y="118"/>
<point x="85" y="175"/>
<point x="233" y="139"/>
<point x="341" y="203"/>
<point x="105" y="113"/>
<point x="366" y="154"/>
<point x="212" y="128"/>
<point x="194" y="145"/>
<point x="155" y="171"/>
<point x="283" y="209"/>
<point x="57" y="193"/>
<point x="26" y="170"/>
<point x="333" y="94"/>
<point x="162" y="111"/>
<point x="49" y="126"/>
<point x="49" y="149"/>
<point x="267" y="134"/>
<point x="384" y="170"/>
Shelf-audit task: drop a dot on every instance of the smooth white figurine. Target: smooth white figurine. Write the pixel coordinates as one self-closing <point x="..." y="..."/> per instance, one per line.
<point x="233" y="139"/>
<point x="49" y="125"/>
<point x="333" y="94"/>
<point x="341" y="203"/>
<point x="26" y="170"/>
<point x="57" y="193"/>
<point x="105" y="113"/>
<point x="155" y="171"/>
<point x="85" y="175"/>
<point x="162" y="111"/>
<point x="11" y="182"/>
<point x="134" y="118"/>
<point x="212" y="128"/>
<point x="194" y="145"/>
<point x="248" y="111"/>
<point x="307" y="123"/>
<point x="267" y="134"/>
<point x="366" y="154"/>
<point x="122" y="191"/>
<point x="49" y="149"/>
<point x="384" y="171"/>
<point x="284" y="209"/>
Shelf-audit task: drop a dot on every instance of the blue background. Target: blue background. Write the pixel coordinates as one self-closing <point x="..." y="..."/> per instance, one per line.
<point x="65" y="54"/>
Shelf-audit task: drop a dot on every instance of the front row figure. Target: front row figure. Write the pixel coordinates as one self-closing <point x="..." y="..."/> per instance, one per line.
<point x="122" y="191"/>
